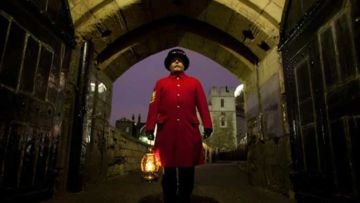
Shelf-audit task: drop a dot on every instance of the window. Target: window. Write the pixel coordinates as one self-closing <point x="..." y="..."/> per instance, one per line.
<point x="4" y="24"/>
<point x="43" y="72"/>
<point x="14" y="50"/>
<point x="30" y="64"/>
<point x="222" y="103"/>
<point x="223" y="122"/>
<point x="102" y="90"/>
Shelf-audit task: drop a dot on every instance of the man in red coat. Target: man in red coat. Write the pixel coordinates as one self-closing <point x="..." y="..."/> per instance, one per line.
<point x="173" y="108"/>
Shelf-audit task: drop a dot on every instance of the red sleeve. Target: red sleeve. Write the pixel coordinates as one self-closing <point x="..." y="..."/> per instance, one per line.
<point x="202" y="106"/>
<point x="153" y="109"/>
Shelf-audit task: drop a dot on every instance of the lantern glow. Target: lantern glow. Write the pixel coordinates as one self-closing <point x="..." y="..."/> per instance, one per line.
<point x="150" y="166"/>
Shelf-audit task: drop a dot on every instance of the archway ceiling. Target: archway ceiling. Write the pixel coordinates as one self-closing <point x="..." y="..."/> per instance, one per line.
<point x="234" y="33"/>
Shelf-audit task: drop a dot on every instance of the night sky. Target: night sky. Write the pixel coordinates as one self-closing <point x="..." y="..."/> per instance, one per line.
<point x="132" y="90"/>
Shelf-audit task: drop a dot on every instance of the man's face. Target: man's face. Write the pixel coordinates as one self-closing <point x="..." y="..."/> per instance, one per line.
<point x="176" y="65"/>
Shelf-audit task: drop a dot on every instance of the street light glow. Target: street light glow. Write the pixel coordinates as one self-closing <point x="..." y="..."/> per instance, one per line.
<point x="238" y="90"/>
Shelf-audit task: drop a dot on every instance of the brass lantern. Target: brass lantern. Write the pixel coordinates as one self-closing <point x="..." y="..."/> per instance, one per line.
<point x="150" y="166"/>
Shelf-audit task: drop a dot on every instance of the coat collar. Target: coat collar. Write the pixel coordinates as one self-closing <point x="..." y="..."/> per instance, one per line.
<point x="180" y="75"/>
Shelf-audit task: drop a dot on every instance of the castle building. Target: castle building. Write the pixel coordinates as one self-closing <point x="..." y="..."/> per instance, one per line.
<point x="130" y="127"/>
<point x="223" y="112"/>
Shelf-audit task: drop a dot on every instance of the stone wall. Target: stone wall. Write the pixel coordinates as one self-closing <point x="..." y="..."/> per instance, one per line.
<point x="98" y="108"/>
<point x="268" y="164"/>
<point x="124" y="153"/>
<point x="105" y="151"/>
<point x="268" y="141"/>
<point x="109" y="152"/>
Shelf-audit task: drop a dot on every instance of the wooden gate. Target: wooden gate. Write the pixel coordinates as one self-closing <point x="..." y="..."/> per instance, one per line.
<point x="33" y="63"/>
<point x="321" y="68"/>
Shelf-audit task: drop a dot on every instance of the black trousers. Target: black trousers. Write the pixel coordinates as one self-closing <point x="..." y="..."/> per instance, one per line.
<point x="178" y="184"/>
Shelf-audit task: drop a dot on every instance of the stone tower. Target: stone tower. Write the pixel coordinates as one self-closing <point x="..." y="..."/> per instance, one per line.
<point x="223" y="112"/>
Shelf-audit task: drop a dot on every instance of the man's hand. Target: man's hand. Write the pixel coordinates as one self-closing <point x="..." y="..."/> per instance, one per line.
<point x="150" y="135"/>
<point x="207" y="132"/>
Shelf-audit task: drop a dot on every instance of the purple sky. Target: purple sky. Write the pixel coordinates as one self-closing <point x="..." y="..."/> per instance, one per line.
<point x="132" y="90"/>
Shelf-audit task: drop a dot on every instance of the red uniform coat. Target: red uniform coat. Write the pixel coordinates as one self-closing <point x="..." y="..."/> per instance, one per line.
<point x="173" y="108"/>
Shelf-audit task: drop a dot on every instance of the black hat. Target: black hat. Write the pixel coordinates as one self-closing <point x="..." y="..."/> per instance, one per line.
<point x="176" y="53"/>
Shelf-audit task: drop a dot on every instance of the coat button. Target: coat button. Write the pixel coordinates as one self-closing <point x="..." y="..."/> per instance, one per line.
<point x="178" y="85"/>
<point x="178" y="78"/>
<point x="178" y="106"/>
<point x="178" y="119"/>
<point x="178" y="95"/>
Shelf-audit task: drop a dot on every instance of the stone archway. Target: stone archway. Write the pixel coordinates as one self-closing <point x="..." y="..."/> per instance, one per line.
<point x="236" y="34"/>
<point x="239" y="35"/>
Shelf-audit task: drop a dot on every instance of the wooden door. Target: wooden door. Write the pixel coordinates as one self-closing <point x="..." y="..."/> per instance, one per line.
<point x="321" y="68"/>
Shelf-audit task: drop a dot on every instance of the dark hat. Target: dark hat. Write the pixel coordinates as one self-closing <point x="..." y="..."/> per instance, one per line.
<point x="176" y="53"/>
